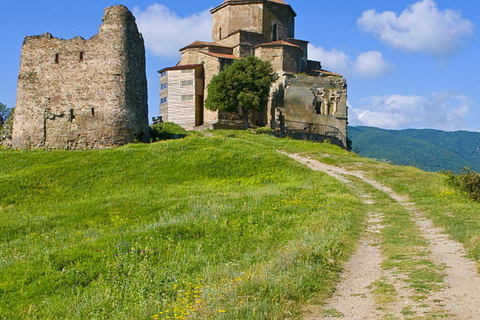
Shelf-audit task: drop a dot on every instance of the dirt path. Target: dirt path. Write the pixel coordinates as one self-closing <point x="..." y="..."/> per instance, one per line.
<point x="458" y="298"/>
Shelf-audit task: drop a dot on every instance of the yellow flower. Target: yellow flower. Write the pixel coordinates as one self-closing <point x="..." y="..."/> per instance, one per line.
<point x="222" y="311"/>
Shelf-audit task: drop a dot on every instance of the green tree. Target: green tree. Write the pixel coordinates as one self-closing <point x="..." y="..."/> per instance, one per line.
<point x="241" y="88"/>
<point x="4" y="112"/>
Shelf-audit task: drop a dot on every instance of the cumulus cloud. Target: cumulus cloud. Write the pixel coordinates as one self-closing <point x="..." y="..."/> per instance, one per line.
<point x="371" y="65"/>
<point x="165" y="32"/>
<point x="367" y="65"/>
<point x="422" y="27"/>
<point x="444" y="111"/>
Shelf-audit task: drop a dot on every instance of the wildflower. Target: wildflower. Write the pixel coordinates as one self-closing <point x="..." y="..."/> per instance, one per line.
<point x="222" y="311"/>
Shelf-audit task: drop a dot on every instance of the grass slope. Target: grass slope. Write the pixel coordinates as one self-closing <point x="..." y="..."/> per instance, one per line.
<point x="221" y="227"/>
<point x="430" y="150"/>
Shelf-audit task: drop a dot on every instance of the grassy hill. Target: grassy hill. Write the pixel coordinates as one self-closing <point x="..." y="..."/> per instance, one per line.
<point x="220" y="227"/>
<point x="430" y="150"/>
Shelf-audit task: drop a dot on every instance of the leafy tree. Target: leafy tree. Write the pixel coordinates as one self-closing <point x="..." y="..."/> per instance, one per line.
<point x="241" y="88"/>
<point x="4" y="112"/>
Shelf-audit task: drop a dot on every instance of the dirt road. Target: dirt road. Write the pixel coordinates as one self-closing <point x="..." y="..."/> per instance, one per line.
<point x="457" y="294"/>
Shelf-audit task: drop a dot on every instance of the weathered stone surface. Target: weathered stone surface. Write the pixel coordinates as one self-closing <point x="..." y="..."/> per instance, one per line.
<point x="82" y="94"/>
<point x="306" y="100"/>
<point x="315" y="105"/>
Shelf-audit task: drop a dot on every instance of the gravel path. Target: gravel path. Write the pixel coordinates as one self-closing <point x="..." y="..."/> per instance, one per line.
<point x="459" y="298"/>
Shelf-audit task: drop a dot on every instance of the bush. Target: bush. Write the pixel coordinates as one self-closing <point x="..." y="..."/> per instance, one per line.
<point x="468" y="182"/>
<point x="166" y="131"/>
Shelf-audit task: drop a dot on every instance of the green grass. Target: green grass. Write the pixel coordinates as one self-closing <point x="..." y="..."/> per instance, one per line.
<point x="220" y="227"/>
<point x="166" y="131"/>
<point x="405" y="250"/>
<point x="447" y="207"/>
<point x="210" y="228"/>
<point x="384" y="291"/>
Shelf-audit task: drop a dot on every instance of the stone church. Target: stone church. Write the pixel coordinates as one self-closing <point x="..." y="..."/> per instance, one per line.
<point x="83" y="93"/>
<point x="305" y="99"/>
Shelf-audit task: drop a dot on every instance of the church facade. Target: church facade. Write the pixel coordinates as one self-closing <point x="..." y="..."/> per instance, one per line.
<point x="305" y="99"/>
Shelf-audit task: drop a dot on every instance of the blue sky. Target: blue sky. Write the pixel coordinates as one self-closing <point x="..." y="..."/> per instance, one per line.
<point x="408" y="63"/>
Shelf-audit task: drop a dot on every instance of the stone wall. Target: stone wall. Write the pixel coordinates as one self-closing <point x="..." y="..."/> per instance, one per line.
<point x="306" y="101"/>
<point x="282" y="58"/>
<point x="275" y="21"/>
<point x="83" y="93"/>
<point x="231" y="18"/>
<point x="243" y="42"/>
<point x="278" y="22"/>
<point x="311" y="104"/>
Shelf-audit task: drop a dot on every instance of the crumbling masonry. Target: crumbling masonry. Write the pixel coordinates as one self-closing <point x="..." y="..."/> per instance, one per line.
<point x="306" y="100"/>
<point x="83" y="94"/>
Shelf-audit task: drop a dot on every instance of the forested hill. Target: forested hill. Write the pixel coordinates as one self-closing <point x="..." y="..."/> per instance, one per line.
<point x="431" y="150"/>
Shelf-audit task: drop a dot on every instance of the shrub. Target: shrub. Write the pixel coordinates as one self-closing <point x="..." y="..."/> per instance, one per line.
<point x="166" y="131"/>
<point x="468" y="182"/>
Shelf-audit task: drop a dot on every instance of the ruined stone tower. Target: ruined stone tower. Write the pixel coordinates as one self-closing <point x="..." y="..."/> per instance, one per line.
<point x="83" y="94"/>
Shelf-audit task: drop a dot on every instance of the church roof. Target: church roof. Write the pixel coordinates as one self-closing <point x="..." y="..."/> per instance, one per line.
<point x="226" y="2"/>
<point x="280" y="43"/>
<point x="221" y="55"/>
<point x="203" y="44"/>
<point x="322" y="72"/>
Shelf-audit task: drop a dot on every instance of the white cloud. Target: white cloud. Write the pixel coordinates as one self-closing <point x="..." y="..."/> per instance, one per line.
<point x="165" y="32"/>
<point x="367" y="65"/>
<point x="334" y="60"/>
<point x="371" y="65"/>
<point x="422" y="27"/>
<point x="444" y="111"/>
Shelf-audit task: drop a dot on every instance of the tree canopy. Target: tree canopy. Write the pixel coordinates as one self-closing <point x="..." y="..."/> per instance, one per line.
<point x="4" y="112"/>
<point x="241" y="88"/>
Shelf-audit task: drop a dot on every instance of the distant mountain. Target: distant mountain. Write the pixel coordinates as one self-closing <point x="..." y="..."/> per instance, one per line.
<point x="427" y="149"/>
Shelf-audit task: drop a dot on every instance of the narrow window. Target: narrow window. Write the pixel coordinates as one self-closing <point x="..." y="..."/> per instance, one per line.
<point x="93" y="111"/>
<point x="57" y="58"/>
<point x="274" y="32"/>
<point x="318" y="107"/>
<point x="81" y="56"/>
<point x="163" y="86"/>
<point x="187" y="70"/>
<point x="71" y="115"/>
<point x="220" y="33"/>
